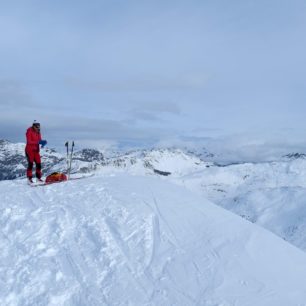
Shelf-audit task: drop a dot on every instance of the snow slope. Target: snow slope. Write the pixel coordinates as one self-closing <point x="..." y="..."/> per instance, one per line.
<point x="272" y="195"/>
<point x="136" y="240"/>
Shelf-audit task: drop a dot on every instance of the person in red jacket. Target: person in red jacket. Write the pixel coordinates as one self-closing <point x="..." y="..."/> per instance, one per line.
<point x="32" y="151"/>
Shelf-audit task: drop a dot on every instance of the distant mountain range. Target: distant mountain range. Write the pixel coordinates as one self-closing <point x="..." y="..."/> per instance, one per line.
<point x="176" y="161"/>
<point x="13" y="162"/>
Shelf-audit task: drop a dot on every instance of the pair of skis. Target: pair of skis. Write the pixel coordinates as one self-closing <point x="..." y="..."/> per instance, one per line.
<point x="69" y="157"/>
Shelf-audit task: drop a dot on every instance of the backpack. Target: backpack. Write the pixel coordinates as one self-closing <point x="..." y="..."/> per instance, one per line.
<point x="56" y="177"/>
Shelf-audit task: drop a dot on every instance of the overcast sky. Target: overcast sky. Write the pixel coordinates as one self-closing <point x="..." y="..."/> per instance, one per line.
<point x="137" y="73"/>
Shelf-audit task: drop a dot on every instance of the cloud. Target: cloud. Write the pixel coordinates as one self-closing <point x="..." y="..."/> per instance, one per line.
<point x="158" y="107"/>
<point x="13" y="94"/>
<point x="95" y="132"/>
<point x="146" y="71"/>
<point x="238" y="148"/>
<point x="17" y="109"/>
<point x="57" y="129"/>
<point x="154" y="111"/>
<point x="143" y="83"/>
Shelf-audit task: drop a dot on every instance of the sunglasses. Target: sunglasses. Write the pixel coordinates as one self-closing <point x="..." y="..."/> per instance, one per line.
<point x="36" y="126"/>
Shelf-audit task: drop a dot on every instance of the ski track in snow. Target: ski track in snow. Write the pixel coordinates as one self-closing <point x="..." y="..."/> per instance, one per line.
<point x="127" y="240"/>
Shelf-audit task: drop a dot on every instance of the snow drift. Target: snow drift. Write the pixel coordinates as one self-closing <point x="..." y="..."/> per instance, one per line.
<point x="136" y="240"/>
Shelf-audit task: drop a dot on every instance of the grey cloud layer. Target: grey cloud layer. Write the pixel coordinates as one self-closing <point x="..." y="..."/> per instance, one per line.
<point x="138" y="70"/>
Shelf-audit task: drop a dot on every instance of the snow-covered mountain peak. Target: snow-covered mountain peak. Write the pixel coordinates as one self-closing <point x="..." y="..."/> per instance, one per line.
<point x="89" y="155"/>
<point x="128" y="237"/>
<point x="174" y="161"/>
<point x="295" y="156"/>
<point x="13" y="148"/>
<point x="137" y="240"/>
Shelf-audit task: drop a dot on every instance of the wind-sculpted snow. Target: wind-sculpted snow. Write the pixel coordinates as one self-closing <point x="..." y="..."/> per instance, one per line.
<point x="136" y="240"/>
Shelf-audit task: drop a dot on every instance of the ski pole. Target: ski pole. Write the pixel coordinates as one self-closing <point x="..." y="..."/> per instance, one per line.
<point x="71" y="153"/>
<point x="67" y="159"/>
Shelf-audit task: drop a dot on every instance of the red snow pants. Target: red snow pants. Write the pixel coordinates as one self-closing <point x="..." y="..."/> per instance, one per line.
<point x="33" y="156"/>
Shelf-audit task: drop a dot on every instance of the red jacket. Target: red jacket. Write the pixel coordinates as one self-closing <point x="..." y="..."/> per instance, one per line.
<point x="33" y="139"/>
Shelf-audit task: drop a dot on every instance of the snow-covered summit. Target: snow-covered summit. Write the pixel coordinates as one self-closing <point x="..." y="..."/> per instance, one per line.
<point x="137" y="240"/>
<point x="172" y="161"/>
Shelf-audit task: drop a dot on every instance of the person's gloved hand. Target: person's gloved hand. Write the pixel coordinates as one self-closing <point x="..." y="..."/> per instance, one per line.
<point x="43" y="143"/>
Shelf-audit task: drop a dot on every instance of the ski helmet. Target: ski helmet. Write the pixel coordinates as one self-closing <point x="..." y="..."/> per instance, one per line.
<point x="36" y="123"/>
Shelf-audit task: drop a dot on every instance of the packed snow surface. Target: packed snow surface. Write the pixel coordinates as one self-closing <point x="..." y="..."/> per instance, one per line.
<point x="137" y="240"/>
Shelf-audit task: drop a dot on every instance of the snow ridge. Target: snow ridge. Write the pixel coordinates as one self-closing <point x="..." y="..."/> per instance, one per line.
<point x="137" y="240"/>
